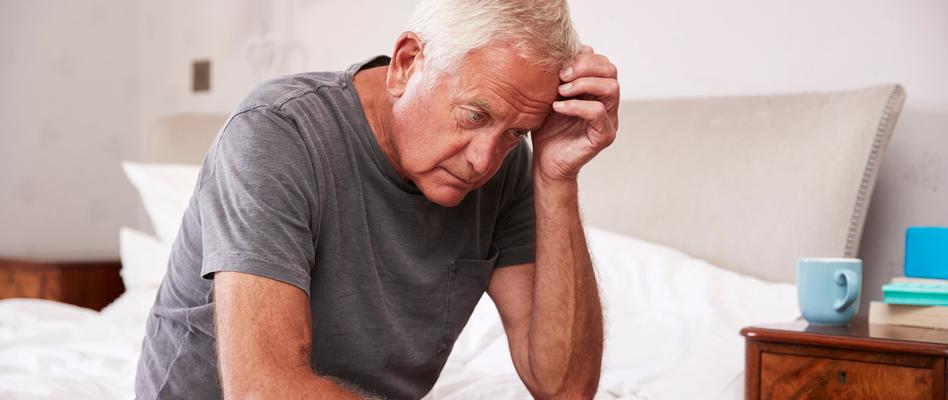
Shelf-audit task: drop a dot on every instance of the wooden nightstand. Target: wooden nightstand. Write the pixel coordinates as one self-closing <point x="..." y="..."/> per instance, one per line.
<point x="85" y="284"/>
<point x="861" y="361"/>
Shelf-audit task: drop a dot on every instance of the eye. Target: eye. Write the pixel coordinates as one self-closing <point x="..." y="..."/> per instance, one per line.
<point x="514" y="136"/>
<point x="519" y="133"/>
<point x="475" y="116"/>
<point x="471" y="118"/>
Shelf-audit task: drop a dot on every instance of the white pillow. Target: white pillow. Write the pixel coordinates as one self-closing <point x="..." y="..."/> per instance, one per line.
<point x="670" y="318"/>
<point x="165" y="190"/>
<point x="144" y="259"/>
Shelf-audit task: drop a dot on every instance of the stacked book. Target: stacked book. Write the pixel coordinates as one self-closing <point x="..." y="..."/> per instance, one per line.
<point x="912" y="302"/>
<point x="920" y="298"/>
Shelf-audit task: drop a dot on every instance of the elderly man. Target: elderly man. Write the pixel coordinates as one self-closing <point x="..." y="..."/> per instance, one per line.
<point x="344" y="225"/>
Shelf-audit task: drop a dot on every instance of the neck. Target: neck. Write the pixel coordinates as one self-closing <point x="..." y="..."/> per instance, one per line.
<point x="377" y="105"/>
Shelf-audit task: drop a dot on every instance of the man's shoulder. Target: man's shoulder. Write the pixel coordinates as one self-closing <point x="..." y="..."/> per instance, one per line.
<point x="275" y="93"/>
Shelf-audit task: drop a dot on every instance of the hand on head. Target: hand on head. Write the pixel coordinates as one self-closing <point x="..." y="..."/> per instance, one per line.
<point x="585" y="119"/>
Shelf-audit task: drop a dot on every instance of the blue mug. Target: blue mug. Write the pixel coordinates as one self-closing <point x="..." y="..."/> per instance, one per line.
<point x="828" y="289"/>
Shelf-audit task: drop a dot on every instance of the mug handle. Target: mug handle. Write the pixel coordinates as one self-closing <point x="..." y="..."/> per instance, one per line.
<point x="847" y="278"/>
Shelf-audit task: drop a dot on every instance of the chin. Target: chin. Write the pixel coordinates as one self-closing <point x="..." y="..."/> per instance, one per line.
<point x="445" y="196"/>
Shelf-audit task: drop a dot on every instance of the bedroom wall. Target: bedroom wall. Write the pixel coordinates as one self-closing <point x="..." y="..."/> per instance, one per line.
<point x="698" y="48"/>
<point x="233" y="34"/>
<point x="663" y="49"/>
<point x="84" y="79"/>
<point x="68" y="113"/>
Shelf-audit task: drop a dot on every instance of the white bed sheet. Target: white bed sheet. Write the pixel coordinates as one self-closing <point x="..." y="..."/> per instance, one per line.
<point x="672" y="333"/>
<point x="51" y="350"/>
<point x="672" y="328"/>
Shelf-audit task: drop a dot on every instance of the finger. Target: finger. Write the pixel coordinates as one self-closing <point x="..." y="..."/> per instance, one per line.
<point x="606" y="89"/>
<point x="588" y="64"/>
<point x="587" y="49"/>
<point x="593" y="112"/>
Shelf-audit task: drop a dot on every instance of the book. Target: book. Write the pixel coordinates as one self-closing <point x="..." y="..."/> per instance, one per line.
<point x="919" y="294"/>
<point x="926" y="252"/>
<point x="904" y="315"/>
<point x="919" y="280"/>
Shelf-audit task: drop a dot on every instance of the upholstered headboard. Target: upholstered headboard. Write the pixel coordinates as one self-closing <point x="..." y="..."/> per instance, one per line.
<point x="747" y="183"/>
<point x="182" y="138"/>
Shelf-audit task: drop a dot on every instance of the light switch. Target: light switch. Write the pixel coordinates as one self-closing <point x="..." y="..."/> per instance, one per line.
<point x="201" y="75"/>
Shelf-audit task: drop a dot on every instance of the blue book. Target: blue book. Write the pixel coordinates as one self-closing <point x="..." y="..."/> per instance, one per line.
<point x="926" y="252"/>
<point x="916" y="293"/>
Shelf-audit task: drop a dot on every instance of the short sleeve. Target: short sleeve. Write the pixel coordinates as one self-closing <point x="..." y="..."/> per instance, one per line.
<point x="515" y="231"/>
<point x="257" y="202"/>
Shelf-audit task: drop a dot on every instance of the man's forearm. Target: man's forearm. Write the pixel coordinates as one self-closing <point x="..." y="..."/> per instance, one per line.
<point x="566" y="333"/>
<point x="264" y="352"/>
<point x="304" y="385"/>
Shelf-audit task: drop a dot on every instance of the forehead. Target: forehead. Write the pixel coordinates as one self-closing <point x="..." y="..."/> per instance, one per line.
<point x="499" y="79"/>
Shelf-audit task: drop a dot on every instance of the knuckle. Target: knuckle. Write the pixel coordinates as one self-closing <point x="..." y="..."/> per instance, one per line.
<point x="599" y="108"/>
<point x="614" y="86"/>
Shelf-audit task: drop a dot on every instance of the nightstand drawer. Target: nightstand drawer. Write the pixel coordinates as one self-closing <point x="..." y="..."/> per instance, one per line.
<point x="784" y="376"/>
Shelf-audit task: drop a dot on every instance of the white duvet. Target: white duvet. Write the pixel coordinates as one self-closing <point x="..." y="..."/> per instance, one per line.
<point x="51" y="350"/>
<point x="672" y="327"/>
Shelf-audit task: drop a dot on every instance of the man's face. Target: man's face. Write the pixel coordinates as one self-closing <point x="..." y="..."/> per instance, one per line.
<point x="451" y="139"/>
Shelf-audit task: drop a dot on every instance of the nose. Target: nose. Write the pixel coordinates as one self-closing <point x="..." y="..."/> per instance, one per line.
<point x="481" y="153"/>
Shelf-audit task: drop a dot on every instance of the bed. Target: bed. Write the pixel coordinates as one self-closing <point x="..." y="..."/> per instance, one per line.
<point x="695" y="217"/>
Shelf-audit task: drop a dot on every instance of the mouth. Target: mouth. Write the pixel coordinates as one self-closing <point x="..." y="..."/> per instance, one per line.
<point x="463" y="181"/>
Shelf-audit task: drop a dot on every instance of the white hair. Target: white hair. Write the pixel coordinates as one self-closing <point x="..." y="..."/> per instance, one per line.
<point x="540" y="30"/>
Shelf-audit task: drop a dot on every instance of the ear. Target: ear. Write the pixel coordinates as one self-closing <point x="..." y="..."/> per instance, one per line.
<point x="406" y="60"/>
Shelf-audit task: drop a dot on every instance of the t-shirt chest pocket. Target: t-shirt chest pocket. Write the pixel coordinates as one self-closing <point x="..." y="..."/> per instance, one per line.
<point x="467" y="281"/>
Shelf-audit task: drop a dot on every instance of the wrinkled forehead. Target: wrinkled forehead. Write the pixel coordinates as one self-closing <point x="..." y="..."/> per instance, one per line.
<point x="499" y="74"/>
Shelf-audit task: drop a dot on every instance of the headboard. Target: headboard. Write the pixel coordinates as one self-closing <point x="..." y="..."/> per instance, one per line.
<point x="182" y="138"/>
<point x="747" y="183"/>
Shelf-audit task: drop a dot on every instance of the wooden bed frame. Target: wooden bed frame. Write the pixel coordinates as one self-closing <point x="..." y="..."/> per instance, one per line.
<point x="90" y="284"/>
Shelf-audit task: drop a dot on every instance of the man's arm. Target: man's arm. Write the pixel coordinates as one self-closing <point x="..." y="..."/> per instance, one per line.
<point x="566" y="332"/>
<point x="551" y="310"/>
<point x="264" y="341"/>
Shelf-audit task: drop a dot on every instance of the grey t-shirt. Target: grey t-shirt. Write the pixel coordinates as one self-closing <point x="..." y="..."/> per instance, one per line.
<point x="295" y="188"/>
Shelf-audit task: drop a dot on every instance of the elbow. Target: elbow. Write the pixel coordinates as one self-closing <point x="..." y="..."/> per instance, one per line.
<point x="542" y="386"/>
<point x="565" y="387"/>
<point x="561" y="390"/>
<point x="565" y="392"/>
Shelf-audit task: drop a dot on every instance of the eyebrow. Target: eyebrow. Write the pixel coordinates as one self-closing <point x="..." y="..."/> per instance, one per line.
<point x="482" y="103"/>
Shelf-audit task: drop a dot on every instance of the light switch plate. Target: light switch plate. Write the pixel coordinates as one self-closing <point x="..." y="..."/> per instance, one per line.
<point x="201" y="75"/>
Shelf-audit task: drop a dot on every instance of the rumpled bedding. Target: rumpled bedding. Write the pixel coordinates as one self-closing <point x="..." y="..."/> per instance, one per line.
<point x="51" y="350"/>
<point x="672" y="325"/>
